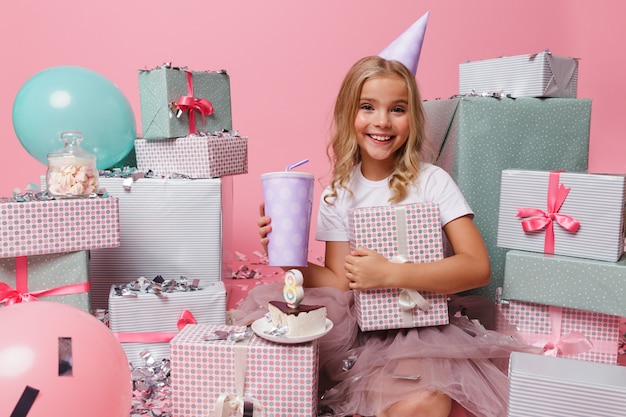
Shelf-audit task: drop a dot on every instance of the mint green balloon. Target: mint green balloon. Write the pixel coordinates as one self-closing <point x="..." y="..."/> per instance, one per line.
<point x="74" y="98"/>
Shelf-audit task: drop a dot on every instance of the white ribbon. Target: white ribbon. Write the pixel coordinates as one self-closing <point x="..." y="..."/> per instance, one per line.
<point x="407" y="299"/>
<point x="237" y="402"/>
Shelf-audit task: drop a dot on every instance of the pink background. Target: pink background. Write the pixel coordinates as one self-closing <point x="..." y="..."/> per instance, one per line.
<point x="286" y="60"/>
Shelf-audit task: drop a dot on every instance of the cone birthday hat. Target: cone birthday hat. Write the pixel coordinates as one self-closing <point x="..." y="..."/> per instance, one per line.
<point x="407" y="47"/>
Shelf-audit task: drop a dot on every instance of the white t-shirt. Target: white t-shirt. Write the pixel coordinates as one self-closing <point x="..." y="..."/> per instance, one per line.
<point x="434" y="185"/>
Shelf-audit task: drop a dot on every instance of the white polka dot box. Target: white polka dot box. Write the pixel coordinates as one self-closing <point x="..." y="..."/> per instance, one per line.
<point x="562" y="213"/>
<point x="404" y="233"/>
<point x="196" y="155"/>
<point x="57" y="226"/>
<point x="212" y="372"/>
<point x="561" y="331"/>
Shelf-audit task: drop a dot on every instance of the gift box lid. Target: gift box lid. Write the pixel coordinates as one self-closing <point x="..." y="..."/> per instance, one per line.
<point x="566" y="281"/>
<point x="58" y="226"/>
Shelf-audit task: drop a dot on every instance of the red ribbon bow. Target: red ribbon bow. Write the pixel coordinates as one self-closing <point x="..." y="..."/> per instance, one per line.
<point x="191" y="104"/>
<point x="557" y="193"/>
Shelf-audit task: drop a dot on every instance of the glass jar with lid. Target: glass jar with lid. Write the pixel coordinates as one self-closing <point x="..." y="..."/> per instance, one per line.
<point x="72" y="171"/>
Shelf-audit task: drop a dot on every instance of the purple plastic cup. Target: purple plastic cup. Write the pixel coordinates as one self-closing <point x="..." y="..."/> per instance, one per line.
<point x="288" y="198"/>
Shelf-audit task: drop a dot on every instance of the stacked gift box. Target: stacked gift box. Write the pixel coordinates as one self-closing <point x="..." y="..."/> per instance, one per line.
<point x="494" y="124"/>
<point x="175" y="213"/>
<point x="564" y="268"/>
<point x="516" y="121"/>
<point x="176" y="227"/>
<point x="46" y="245"/>
<point x="563" y="284"/>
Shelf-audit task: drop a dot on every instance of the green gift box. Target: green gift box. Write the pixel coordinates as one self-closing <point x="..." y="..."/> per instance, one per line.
<point x="566" y="281"/>
<point x="41" y="276"/>
<point x="170" y="96"/>
<point x="475" y="138"/>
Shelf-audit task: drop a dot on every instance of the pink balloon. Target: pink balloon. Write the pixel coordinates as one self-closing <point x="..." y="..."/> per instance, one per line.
<point x="71" y="358"/>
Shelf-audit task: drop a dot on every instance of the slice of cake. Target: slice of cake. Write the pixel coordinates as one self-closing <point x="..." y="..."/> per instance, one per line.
<point x="303" y="320"/>
<point x="297" y="319"/>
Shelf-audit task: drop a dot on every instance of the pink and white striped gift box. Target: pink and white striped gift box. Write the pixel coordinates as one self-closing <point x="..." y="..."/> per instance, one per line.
<point x="406" y="233"/>
<point x="58" y="226"/>
<point x="196" y="156"/>
<point x="280" y="380"/>
<point x="563" y="331"/>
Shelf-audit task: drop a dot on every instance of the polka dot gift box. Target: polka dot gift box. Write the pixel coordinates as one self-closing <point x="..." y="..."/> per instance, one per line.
<point x="196" y="156"/>
<point x="563" y="332"/>
<point x="215" y="368"/>
<point x="57" y="226"/>
<point x="406" y="233"/>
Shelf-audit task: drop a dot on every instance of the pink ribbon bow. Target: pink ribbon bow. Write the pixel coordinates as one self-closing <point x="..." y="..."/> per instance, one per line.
<point x="185" y="318"/>
<point x="10" y="296"/>
<point x="571" y="344"/>
<point x="557" y="193"/>
<point x="191" y="104"/>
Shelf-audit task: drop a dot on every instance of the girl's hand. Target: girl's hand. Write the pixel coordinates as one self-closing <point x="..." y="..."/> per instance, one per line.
<point x="264" y="227"/>
<point x="367" y="269"/>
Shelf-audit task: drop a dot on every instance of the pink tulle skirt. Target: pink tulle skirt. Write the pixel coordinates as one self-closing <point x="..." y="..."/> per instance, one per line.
<point x="366" y="372"/>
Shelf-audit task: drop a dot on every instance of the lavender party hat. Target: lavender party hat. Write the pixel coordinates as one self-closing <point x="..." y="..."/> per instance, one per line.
<point x="407" y="47"/>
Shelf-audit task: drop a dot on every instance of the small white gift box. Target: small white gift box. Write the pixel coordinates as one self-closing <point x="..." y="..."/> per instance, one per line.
<point x="145" y="314"/>
<point x="530" y="75"/>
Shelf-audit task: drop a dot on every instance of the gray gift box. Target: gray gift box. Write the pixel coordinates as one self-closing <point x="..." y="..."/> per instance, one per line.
<point x="50" y="271"/>
<point x="566" y="281"/>
<point x="161" y="88"/>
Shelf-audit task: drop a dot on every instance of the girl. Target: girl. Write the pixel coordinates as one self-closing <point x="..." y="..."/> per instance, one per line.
<point x="376" y="146"/>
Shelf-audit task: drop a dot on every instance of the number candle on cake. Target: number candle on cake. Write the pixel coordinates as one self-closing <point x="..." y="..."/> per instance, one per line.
<point x="293" y="292"/>
<point x="295" y="318"/>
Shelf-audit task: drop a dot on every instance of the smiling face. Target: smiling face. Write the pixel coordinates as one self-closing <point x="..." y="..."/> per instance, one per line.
<point x="381" y="124"/>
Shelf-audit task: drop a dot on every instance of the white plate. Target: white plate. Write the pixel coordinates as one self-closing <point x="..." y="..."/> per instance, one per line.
<point x="262" y="325"/>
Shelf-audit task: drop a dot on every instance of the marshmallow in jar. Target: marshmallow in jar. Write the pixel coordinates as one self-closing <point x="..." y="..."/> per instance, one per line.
<point x="72" y="171"/>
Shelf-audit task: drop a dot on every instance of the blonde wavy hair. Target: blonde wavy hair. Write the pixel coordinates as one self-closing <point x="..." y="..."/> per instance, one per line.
<point x="343" y="151"/>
